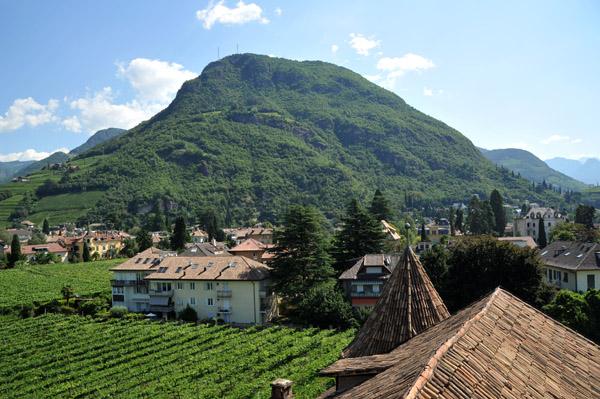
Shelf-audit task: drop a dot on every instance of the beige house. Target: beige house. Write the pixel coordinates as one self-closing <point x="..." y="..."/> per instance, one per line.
<point x="529" y="225"/>
<point x="234" y="289"/>
<point x="573" y="266"/>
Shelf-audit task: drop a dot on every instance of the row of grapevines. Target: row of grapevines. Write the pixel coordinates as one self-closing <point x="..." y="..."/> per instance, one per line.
<point x="56" y="356"/>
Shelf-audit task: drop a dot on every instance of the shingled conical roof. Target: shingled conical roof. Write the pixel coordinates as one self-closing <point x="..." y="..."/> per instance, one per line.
<point x="408" y="305"/>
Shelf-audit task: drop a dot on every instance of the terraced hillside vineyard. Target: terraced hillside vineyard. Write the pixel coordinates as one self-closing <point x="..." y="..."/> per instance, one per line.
<point x="56" y="356"/>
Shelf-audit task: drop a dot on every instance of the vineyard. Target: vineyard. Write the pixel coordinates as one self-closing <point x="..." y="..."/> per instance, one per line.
<point x="23" y="286"/>
<point x="57" y="356"/>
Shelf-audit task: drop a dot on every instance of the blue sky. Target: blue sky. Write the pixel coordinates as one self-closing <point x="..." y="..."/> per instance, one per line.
<point x="520" y="74"/>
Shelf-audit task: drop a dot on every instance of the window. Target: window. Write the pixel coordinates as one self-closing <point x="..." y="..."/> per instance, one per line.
<point x="375" y="288"/>
<point x="192" y="286"/>
<point x="179" y="286"/>
<point x="359" y="288"/>
<point x="180" y="301"/>
<point x="209" y="286"/>
<point x="591" y="281"/>
<point x="178" y="270"/>
<point x="192" y="301"/>
<point x="195" y="266"/>
<point x="566" y="277"/>
<point x="141" y="290"/>
<point x="117" y="290"/>
<point x="210" y="302"/>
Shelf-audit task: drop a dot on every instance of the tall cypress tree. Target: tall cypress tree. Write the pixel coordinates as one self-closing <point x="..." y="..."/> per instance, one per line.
<point x="542" y="240"/>
<point x="499" y="213"/>
<point x="15" y="251"/>
<point x="180" y="236"/>
<point x="86" y="253"/>
<point x="46" y="228"/>
<point x="424" y="231"/>
<point x="459" y="219"/>
<point x="361" y="234"/>
<point x="380" y="207"/>
<point x="144" y="240"/>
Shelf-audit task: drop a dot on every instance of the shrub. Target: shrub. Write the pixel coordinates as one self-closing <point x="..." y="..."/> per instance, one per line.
<point x="188" y="314"/>
<point x="118" y="311"/>
<point x="90" y="308"/>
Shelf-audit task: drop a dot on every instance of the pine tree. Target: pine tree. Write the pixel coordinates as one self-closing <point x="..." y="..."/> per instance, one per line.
<point x="542" y="240"/>
<point x="452" y="219"/>
<point x="46" y="228"/>
<point x="158" y="222"/>
<point x="380" y="207"/>
<point x="459" y="219"/>
<point x="301" y="260"/>
<point x="424" y="231"/>
<point x="15" y="251"/>
<point x="86" y="253"/>
<point x="499" y="213"/>
<point x="361" y="234"/>
<point x="180" y="236"/>
<point x="144" y="240"/>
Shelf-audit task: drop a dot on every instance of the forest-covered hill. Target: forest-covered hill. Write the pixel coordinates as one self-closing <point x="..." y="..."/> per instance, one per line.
<point x="253" y="134"/>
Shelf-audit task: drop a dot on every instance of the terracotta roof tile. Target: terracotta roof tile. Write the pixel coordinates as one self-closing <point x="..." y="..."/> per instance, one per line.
<point x="210" y="268"/>
<point x="250" y="245"/>
<point x="145" y="260"/>
<point x="408" y="305"/>
<point x="576" y="256"/>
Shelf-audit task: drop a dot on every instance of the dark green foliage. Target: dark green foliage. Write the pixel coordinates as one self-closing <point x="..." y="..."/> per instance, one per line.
<point x="584" y="214"/>
<point x="361" y="234"/>
<point x="499" y="213"/>
<point x="477" y="265"/>
<point x="37" y="238"/>
<point x="209" y="221"/>
<point x="361" y="314"/>
<point x="188" y="314"/>
<point x="130" y="247"/>
<point x="542" y="240"/>
<point x="451" y="215"/>
<point x="158" y="222"/>
<point x="254" y="134"/>
<point x="44" y="258"/>
<point x="87" y="257"/>
<point x="67" y="292"/>
<point x="301" y="259"/>
<point x="15" y="252"/>
<point x="99" y="137"/>
<point x="46" y="227"/>
<point x="3" y="260"/>
<point x="573" y="232"/>
<point x="93" y="306"/>
<point x="380" y="207"/>
<point x="323" y="305"/>
<point x="435" y="262"/>
<point x="143" y="240"/>
<point x="581" y="312"/>
<point x="480" y="218"/>
<point x="118" y="311"/>
<point x="424" y="237"/>
<point x="459" y="219"/>
<point x="180" y="235"/>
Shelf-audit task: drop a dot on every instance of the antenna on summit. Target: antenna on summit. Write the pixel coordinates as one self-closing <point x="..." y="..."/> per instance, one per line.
<point x="218" y="54"/>
<point x="237" y="50"/>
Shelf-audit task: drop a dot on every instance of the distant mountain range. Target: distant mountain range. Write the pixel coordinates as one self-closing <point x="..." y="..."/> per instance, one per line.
<point x="532" y="168"/>
<point x="8" y="170"/>
<point x="587" y="172"/>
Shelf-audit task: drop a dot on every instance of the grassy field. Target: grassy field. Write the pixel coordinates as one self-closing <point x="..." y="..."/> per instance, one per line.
<point x="41" y="283"/>
<point x="57" y="356"/>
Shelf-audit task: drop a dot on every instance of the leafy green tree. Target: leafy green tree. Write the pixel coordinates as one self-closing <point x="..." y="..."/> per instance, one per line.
<point x="572" y="232"/>
<point x="542" y="240"/>
<point x="46" y="227"/>
<point x="158" y="221"/>
<point x="480" y="217"/>
<point x="380" y="207"/>
<point x="477" y="265"/>
<point x="93" y="307"/>
<point x="451" y="215"/>
<point x="143" y="240"/>
<point x="579" y="311"/>
<point x="67" y="292"/>
<point x="3" y="261"/>
<point x="180" y="235"/>
<point x="118" y="311"/>
<point x="188" y="314"/>
<point x="129" y="247"/>
<point x="424" y="237"/>
<point x="361" y="234"/>
<point x="435" y="262"/>
<point x="15" y="252"/>
<point x="209" y="221"/>
<point x="86" y="256"/>
<point x="37" y="238"/>
<point x="459" y="219"/>
<point x="584" y="214"/>
<point x="499" y="213"/>
<point x="44" y="258"/>
<point x="323" y="305"/>
<point x="301" y="259"/>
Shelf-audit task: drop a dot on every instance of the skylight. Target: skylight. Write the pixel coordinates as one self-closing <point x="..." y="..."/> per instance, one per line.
<point x="234" y="264"/>
<point x="146" y="261"/>
<point x="567" y="254"/>
<point x="210" y="264"/>
<point x="544" y="253"/>
<point x="195" y="266"/>
<point x="138" y="261"/>
<point x="580" y="255"/>
<point x="178" y="270"/>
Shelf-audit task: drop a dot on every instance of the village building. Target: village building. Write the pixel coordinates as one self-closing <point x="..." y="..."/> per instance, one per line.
<point x="129" y="288"/>
<point x="213" y="248"/>
<point x="258" y="233"/>
<point x="498" y="347"/>
<point x="24" y="235"/>
<point x="199" y="236"/>
<point x="573" y="266"/>
<point x="529" y="224"/>
<point x="364" y="281"/>
<point x="30" y="251"/>
<point x="105" y="244"/>
<point x="253" y="249"/>
<point x="521" y="242"/>
<point x="234" y="289"/>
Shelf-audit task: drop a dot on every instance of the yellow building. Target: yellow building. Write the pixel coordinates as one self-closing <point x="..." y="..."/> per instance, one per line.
<point x="105" y="244"/>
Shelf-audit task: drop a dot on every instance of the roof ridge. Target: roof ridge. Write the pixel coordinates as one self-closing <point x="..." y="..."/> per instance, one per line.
<point x="431" y="365"/>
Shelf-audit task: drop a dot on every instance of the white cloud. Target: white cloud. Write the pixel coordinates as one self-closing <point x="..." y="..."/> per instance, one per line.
<point x="576" y="141"/>
<point x="26" y="111"/>
<point x="440" y="92"/>
<point x="278" y="11"/>
<point x="334" y="48"/>
<point x="398" y="66"/>
<point x="239" y="15"/>
<point x="372" y="78"/>
<point x="155" y="80"/>
<point x="98" y="112"/>
<point x="555" y="137"/>
<point x="427" y="91"/>
<point x="362" y="45"/>
<point x="28" y="155"/>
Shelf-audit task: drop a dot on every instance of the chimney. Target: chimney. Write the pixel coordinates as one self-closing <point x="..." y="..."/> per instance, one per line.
<point x="281" y="389"/>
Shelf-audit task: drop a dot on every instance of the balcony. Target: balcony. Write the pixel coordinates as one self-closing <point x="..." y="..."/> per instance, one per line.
<point x="223" y="294"/>
<point x="225" y="310"/>
<point x="364" y="294"/>
<point x="160" y="293"/>
<point x="128" y="283"/>
<point x="165" y="309"/>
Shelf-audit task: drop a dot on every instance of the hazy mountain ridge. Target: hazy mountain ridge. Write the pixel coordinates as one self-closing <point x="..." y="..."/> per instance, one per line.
<point x="587" y="172"/>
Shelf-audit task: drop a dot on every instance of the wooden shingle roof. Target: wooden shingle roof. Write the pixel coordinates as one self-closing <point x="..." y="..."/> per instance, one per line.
<point x="408" y="305"/>
<point x="499" y="347"/>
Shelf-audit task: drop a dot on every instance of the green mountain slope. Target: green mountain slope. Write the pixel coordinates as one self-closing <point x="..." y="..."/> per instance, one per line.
<point x="57" y="157"/>
<point x="253" y="134"/>
<point x="8" y="169"/>
<point x="99" y="137"/>
<point x="531" y="167"/>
